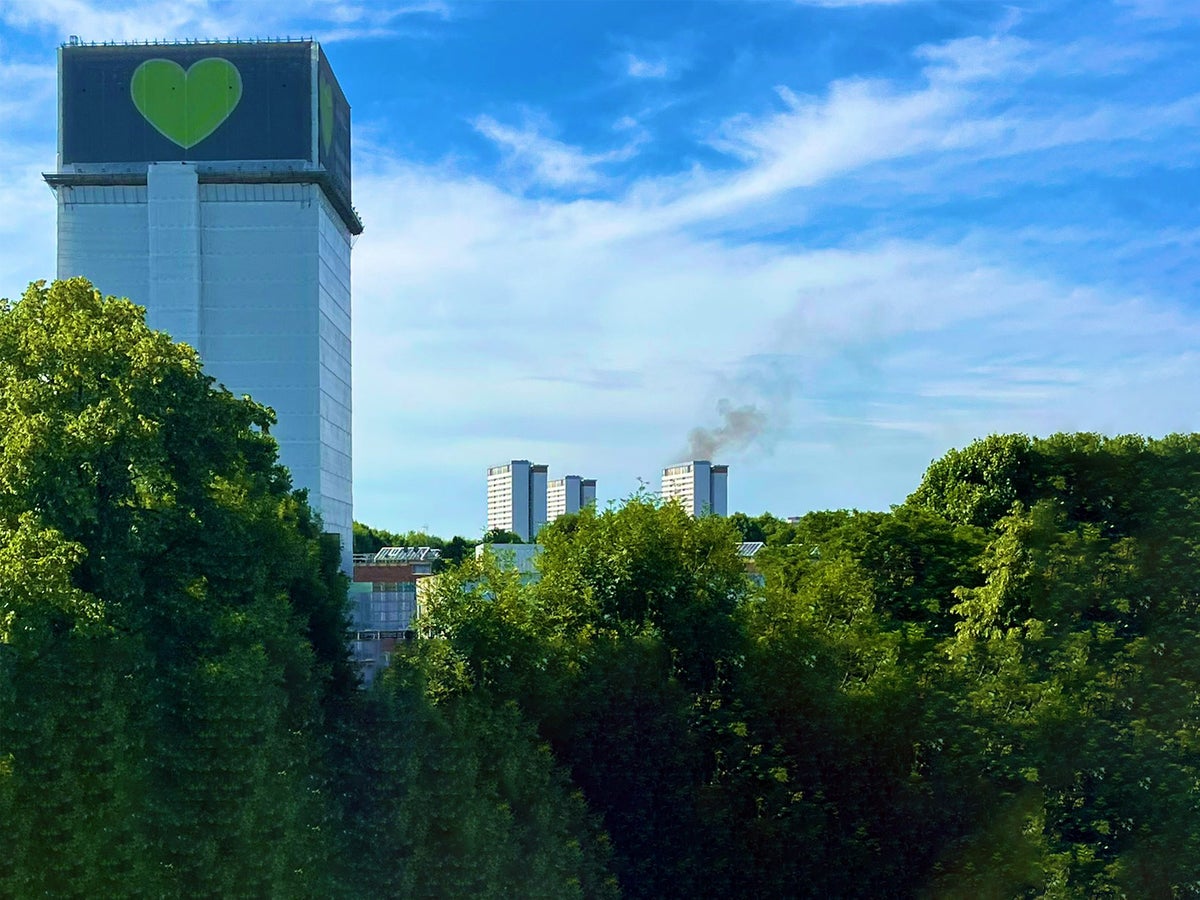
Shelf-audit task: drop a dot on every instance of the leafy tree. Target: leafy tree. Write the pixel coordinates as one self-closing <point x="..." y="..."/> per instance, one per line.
<point x="749" y="528"/>
<point x="500" y="536"/>
<point x="456" y="550"/>
<point x="608" y="655"/>
<point x="766" y="528"/>
<point x="170" y="621"/>
<point x="458" y="798"/>
<point x="1029" y="740"/>
<point x="370" y="540"/>
<point x="829" y="764"/>
<point x="1079" y="709"/>
<point x="647" y="567"/>
<point x="978" y="485"/>
<point x="1125" y="483"/>
<point x="1073" y="658"/>
<point x="914" y="558"/>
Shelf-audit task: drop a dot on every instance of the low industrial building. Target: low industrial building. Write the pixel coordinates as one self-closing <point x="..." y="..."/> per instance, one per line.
<point x="383" y="603"/>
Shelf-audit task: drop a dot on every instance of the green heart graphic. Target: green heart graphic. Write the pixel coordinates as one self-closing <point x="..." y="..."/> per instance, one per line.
<point x="186" y="107"/>
<point x="326" y="115"/>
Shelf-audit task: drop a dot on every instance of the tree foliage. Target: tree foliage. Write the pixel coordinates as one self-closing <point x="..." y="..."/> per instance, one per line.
<point x="178" y="713"/>
<point x="163" y="586"/>
<point x="606" y="657"/>
<point x="989" y="690"/>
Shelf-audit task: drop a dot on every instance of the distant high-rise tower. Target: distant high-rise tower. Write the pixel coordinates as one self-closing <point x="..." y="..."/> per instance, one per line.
<point x="210" y="183"/>
<point x="516" y="498"/>
<point x="569" y="494"/>
<point x="699" y="485"/>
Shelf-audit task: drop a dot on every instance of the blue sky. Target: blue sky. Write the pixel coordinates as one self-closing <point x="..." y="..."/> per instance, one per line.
<point x="886" y="227"/>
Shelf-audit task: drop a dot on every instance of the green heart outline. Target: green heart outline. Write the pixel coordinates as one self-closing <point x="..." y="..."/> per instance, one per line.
<point x="325" y="113"/>
<point x="186" y="107"/>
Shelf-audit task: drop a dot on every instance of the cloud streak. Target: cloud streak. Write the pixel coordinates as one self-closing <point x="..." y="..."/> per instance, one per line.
<point x="546" y="161"/>
<point x="188" y="19"/>
<point x="637" y="67"/>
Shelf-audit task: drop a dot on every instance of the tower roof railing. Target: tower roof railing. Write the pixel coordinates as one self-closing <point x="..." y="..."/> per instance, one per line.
<point x="74" y="41"/>
<point x="398" y="556"/>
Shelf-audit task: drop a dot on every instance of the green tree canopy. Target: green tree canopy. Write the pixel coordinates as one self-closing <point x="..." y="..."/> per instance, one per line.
<point x="607" y="656"/>
<point x="989" y="690"/>
<point x="178" y="715"/>
<point x="171" y="621"/>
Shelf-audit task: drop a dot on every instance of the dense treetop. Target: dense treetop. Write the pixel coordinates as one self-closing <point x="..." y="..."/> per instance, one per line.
<point x="989" y="690"/>
<point x="178" y="713"/>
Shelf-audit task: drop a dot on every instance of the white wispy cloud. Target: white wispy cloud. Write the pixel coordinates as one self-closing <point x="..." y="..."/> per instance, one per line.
<point x="27" y="91"/>
<point x="929" y="342"/>
<point x="637" y="67"/>
<point x="962" y="125"/>
<point x="1169" y="10"/>
<point x="978" y="58"/>
<point x="121" y="21"/>
<point x="27" y="229"/>
<point x="864" y="341"/>
<point x="548" y="161"/>
<point x="129" y="20"/>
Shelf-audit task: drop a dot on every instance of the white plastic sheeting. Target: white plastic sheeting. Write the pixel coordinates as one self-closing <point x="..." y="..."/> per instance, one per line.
<point x="257" y="278"/>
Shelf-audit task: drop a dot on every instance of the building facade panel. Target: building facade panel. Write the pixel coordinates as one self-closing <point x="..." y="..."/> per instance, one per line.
<point x="519" y="472"/>
<point x="104" y="235"/>
<point x="556" y="498"/>
<point x="569" y="494"/>
<point x="700" y="487"/>
<point x="719" y="490"/>
<point x="516" y="498"/>
<point x="537" y="501"/>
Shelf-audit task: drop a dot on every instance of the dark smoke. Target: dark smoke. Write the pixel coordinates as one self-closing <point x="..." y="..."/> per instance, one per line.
<point x="739" y="426"/>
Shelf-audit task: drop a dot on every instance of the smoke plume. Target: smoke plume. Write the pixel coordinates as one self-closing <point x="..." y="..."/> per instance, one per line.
<point x="739" y="426"/>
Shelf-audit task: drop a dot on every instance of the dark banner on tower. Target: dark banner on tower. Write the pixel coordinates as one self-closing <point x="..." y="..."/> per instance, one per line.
<point x="189" y="102"/>
<point x="333" y="132"/>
